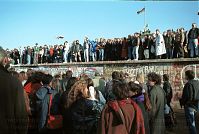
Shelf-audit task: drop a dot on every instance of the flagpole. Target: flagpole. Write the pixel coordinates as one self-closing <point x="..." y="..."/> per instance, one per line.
<point x="144" y="17"/>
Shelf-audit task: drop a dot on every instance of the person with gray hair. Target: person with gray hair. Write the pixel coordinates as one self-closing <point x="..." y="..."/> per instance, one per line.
<point x="13" y="114"/>
<point x="193" y="41"/>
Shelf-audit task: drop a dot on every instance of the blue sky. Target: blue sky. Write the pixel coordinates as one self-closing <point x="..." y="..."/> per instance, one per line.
<point x="24" y="23"/>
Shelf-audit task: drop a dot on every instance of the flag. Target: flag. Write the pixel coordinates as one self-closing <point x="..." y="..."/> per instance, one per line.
<point x="140" y="11"/>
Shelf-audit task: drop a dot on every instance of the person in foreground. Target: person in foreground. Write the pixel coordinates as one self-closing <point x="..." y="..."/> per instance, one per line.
<point x="158" y="101"/>
<point x="13" y="114"/>
<point x="123" y="115"/>
<point x="190" y="100"/>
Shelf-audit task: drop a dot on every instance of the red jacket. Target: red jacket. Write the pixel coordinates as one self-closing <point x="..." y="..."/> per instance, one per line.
<point x="31" y="88"/>
<point x="121" y="117"/>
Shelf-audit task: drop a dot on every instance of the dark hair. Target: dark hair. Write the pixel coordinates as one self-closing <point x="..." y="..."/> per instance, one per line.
<point x="36" y="77"/>
<point x="116" y="75"/>
<point x="22" y="72"/>
<point x="29" y="72"/>
<point x="63" y="76"/>
<point x="135" y="87"/>
<point x="69" y="74"/>
<point x="47" y="78"/>
<point x="120" y="89"/>
<point x="70" y="83"/>
<point x="166" y="77"/>
<point x="14" y="73"/>
<point x="189" y="74"/>
<point x="90" y="82"/>
<point x="154" y="77"/>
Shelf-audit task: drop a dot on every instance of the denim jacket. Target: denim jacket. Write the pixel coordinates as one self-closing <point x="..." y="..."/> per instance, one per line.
<point x="43" y="97"/>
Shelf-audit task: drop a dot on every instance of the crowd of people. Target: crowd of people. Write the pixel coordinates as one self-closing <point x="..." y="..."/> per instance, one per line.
<point x="37" y="102"/>
<point x="171" y="44"/>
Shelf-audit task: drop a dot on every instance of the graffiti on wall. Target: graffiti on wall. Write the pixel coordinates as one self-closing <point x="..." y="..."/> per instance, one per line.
<point x="175" y="71"/>
<point x="77" y="71"/>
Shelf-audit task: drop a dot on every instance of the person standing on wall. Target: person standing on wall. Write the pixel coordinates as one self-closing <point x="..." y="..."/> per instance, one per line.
<point x="193" y="41"/>
<point x="159" y="45"/>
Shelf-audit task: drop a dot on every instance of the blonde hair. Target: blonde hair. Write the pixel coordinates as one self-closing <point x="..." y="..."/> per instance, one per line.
<point x="56" y="85"/>
<point x="140" y="78"/>
<point x="79" y="90"/>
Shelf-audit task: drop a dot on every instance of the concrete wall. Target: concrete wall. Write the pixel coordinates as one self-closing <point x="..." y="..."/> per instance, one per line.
<point x="175" y="71"/>
<point x="174" y="68"/>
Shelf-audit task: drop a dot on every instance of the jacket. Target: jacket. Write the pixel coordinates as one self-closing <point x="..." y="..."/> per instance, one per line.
<point x="138" y="99"/>
<point x="121" y="117"/>
<point x="82" y="117"/>
<point x="43" y="98"/>
<point x="168" y="90"/>
<point x="193" y="33"/>
<point x="191" y="94"/>
<point x="13" y="114"/>
<point x="158" y="101"/>
<point x="160" y="45"/>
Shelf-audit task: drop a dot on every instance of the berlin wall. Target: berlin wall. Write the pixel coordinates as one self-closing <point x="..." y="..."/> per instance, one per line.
<point x="174" y="68"/>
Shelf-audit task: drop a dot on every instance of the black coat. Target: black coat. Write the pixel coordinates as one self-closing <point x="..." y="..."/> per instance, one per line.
<point x="168" y="90"/>
<point x="82" y="117"/>
<point x="190" y="95"/>
<point x="13" y="114"/>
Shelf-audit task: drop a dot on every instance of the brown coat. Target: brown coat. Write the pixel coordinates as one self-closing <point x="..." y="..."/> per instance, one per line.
<point x="114" y="122"/>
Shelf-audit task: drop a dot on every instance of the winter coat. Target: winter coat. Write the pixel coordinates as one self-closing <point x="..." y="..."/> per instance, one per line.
<point x="139" y="100"/>
<point x="193" y="33"/>
<point x="13" y="114"/>
<point x="121" y="117"/>
<point x="190" y="95"/>
<point x="157" y="98"/>
<point x="93" y="45"/>
<point x="168" y="90"/>
<point x="43" y="98"/>
<point x="160" y="45"/>
<point x="82" y="117"/>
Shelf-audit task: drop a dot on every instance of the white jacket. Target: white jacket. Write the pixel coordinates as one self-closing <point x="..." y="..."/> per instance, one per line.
<point x="160" y="45"/>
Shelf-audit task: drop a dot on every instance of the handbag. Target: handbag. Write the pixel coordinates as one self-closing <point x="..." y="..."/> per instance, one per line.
<point x="54" y="121"/>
